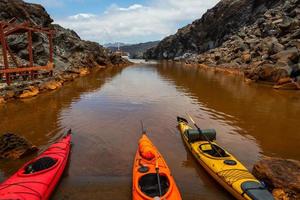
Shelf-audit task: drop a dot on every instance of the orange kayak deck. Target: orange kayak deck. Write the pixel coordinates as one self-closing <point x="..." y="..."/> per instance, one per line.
<point x="145" y="175"/>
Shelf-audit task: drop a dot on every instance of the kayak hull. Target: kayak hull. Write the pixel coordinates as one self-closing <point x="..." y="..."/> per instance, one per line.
<point x="164" y="171"/>
<point x="38" y="185"/>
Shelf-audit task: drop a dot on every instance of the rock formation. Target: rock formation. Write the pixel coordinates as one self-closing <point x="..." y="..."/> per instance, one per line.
<point x="13" y="146"/>
<point x="259" y="37"/>
<point x="281" y="175"/>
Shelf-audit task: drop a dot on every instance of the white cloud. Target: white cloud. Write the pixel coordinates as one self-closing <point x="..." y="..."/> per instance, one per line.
<point x="132" y="7"/>
<point x="137" y="23"/>
<point x="81" y="16"/>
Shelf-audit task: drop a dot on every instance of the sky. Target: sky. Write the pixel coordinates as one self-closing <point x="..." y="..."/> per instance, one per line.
<point x="127" y="21"/>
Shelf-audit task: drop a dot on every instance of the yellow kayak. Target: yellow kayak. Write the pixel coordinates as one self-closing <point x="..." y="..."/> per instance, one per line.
<point x="221" y="165"/>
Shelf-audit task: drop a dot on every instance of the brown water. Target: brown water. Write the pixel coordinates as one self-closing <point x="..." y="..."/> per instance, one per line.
<point x="104" y="111"/>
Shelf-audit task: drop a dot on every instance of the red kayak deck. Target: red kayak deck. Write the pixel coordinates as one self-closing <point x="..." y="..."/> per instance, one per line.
<point x="38" y="185"/>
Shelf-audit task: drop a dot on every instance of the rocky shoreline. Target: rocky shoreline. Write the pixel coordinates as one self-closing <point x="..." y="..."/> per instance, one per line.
<point x="286" y="83"/>
<point x="33" y="88"/>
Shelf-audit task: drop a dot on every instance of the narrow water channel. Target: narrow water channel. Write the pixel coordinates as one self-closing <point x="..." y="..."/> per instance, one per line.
<point x="104" y="111"/>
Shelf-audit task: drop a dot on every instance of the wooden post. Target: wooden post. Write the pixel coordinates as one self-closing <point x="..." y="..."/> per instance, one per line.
<point x="5" y="59"/>
<point x="29" y="37"/>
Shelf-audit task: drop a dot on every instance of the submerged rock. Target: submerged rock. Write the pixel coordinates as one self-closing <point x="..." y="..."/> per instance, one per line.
<point x="13" y="146"/>
<point x="50" y="85"/>
<point x="281" y="175"/>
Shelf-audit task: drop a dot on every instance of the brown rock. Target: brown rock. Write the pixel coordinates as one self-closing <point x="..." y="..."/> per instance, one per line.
<point x="279" y="194"/>
<point x="84" y="72"/>
<point x="266" y="72"/>
<point x="9" y="94"/>
<point x="13" y="146"/>
<point x="50" y="85"/>
<point x="31" y="91"/>
<point x="291" y="54"/>
<point x="246" y="57"/>
<point x="284" y="80"/>
<point x="2" y="101"/>
<point x="280" y="173"/>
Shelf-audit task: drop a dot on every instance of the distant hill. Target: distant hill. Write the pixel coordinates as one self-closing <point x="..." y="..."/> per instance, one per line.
<point x="115" y="44"/>
<point x="135" y="50"/>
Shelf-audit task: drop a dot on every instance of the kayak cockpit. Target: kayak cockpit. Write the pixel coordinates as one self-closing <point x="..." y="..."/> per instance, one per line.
<point x="40" y="165"/>
<point x="148" y="184"/>
<point x="213" y="150"/>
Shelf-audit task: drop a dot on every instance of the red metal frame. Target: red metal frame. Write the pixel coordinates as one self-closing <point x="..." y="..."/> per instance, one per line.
<point x="10" y="28"/>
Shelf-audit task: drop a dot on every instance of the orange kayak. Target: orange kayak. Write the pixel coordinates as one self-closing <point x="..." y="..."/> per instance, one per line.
<point x="152" y="177"/>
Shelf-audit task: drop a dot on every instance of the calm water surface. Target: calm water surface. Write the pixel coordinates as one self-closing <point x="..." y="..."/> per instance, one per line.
<point x="104" y="111"/>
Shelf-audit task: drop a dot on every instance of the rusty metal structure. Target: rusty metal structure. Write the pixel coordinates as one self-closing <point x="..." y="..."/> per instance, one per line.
<point x="29" y="70"/>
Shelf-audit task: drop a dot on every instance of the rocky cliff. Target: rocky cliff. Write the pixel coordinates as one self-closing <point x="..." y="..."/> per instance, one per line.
<point x="70" y="51"/>
<point x="215" y="27"/>
<point x="259" y="37"/>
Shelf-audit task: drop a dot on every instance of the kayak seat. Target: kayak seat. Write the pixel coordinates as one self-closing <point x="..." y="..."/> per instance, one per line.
<point x="149" y="185"/>
<point x="213" y="150"/>
<point x="256" y="191"/>
<point x="39" y="165"/>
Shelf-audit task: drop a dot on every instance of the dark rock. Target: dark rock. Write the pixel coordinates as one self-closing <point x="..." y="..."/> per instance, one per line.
<point x="289" y="55"/>
<point x="13" y="146"/>
<point x="280" y="173"/>
<point x="260" y="21"/>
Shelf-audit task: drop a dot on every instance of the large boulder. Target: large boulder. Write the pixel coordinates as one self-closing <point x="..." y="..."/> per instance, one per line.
<point x="280" y="175"/>
<point x="266" y="72"/>
<point x="13" y="146"/>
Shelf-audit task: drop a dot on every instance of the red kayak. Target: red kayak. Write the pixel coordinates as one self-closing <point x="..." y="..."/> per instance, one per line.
<point x="38" y="178"/>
